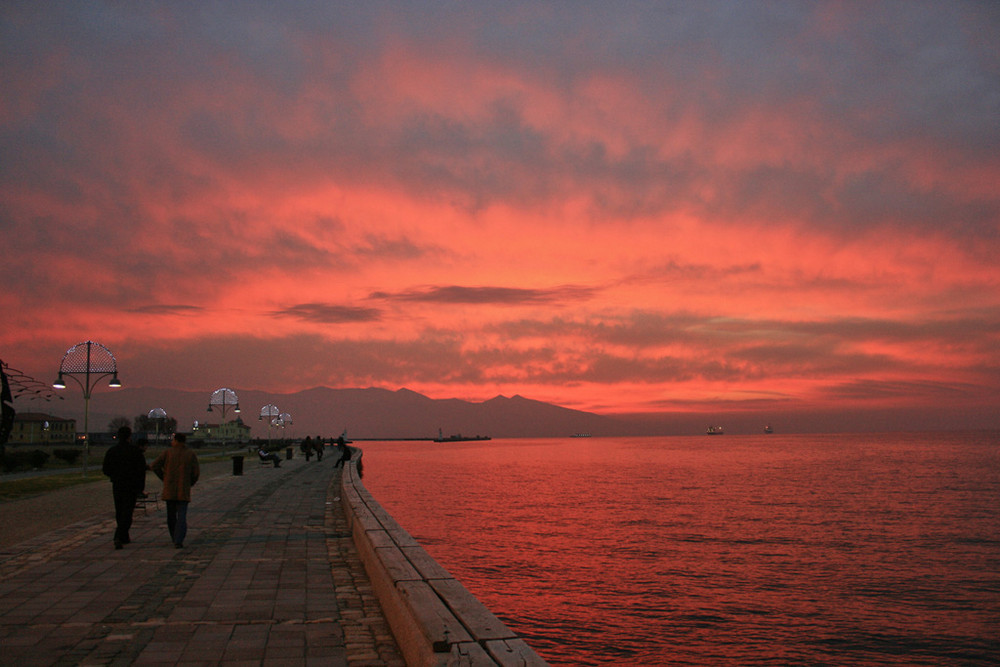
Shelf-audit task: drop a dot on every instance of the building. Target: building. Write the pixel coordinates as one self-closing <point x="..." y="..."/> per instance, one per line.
<point x="37" y="428"/>
<point x="234" y="431"/>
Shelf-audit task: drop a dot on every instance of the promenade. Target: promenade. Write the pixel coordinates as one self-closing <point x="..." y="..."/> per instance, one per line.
<point x="269" y="575"/>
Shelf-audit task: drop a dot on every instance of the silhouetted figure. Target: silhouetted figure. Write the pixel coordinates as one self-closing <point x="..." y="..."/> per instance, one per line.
<point x="125" y="464"/>
<point x="345" y="452"/>
<point x="269" y="456"/>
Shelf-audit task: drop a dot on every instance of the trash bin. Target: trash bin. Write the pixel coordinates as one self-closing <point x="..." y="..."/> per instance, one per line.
<point x="237" y="465"/>
<point x="288" y="454"/>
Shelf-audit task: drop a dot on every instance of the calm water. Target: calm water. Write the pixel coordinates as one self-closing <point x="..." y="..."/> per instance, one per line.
<point x="839" y="549"/>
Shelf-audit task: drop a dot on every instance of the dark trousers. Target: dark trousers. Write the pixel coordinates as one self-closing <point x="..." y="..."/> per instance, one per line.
<point x="124" y="509"/>
<point x="177" y="520"/>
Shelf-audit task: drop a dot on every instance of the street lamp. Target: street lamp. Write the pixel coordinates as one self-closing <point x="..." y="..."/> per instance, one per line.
<point x="160" y="416"/>
<point x="284" y="420"/>
<point x="224" y="398"/>
<point x="271" y="412"/>
<point x="92" y="361"/>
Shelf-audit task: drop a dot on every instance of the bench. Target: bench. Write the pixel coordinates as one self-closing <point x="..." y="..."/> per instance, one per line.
<point x="267" y="462"/>
<point x="151" y="498"/>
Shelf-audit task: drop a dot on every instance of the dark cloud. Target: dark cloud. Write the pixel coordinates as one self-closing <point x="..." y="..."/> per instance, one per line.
<point x="327" y="313"/>
<point x="167" y="309"/>
<point x="287" y="363"/>
<point x="677" y="270"/>
<point x="836" y="81"/>
<point x="630" y="347"/>
<point x="457" y="294"/>
<point x="381" y="247"/>
<point x="929" y="391"/>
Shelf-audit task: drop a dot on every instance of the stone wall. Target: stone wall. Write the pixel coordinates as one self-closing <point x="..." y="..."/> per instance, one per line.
<point x="434" y="618"/>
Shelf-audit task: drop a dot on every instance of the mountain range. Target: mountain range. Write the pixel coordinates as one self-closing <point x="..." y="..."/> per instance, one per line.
<point x="370" y="413"/>
<point x="375" y="413"/>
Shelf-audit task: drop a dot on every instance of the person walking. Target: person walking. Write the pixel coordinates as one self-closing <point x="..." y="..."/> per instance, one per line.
<point x="126" y="465"/>
<point x="345" y="452"/>
<point x="178" y="468"/>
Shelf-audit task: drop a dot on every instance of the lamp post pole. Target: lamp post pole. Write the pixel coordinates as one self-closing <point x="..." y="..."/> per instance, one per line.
<point x="286" y="420"/>
<point x="271" y="412"/>
<point x="223" y="398"/>
<point x="160" y="415"/>
<point x="92" y="361"/>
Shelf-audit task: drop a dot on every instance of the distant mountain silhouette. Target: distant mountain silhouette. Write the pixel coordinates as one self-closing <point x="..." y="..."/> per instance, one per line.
<point x="386" y="414"/>
<point x="364" y="413"/>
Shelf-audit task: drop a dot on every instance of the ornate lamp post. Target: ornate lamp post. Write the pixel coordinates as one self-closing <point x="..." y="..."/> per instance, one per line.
<point x="284" y="419"/>
<point x="224" y="398"/>
<point x="91" y="361"/>
<point x="270" y="412"/>
<point x="160" y="416"/>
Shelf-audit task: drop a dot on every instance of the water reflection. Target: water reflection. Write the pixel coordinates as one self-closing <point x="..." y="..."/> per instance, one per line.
<point x="644" y="551"/>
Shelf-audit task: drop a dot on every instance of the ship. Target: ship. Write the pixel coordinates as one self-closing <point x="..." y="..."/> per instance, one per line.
<point x="714" y="430"/>
<point x="458" y="437"/>
<point x="768" y="429"/>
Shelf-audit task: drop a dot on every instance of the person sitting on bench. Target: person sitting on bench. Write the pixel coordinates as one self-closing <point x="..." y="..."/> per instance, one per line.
<point x="265" y="456"/>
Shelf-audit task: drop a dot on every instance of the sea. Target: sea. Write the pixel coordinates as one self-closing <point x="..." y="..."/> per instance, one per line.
<point x="842" y="549"/>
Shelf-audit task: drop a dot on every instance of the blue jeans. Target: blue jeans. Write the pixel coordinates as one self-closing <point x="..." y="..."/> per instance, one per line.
<point x="177" y="520"/>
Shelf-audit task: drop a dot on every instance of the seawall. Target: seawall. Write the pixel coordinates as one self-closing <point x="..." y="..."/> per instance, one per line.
<point x="434" y="618"/>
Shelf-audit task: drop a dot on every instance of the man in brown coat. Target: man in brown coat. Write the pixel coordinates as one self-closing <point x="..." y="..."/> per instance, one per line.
<point x="178" y="468"/>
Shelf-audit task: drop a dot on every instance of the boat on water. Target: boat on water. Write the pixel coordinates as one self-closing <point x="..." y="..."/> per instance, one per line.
<point x="580" y="435"/>
<point x="714" y="430"/>
<point x="458" y="437"/>
<point x="768" y="429"/>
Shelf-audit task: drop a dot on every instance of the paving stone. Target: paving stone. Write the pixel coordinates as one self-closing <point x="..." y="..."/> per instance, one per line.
<point x="268" y="575"/>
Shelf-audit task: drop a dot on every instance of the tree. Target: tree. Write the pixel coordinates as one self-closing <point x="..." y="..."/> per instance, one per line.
<point x="117" y="423"/>
<point x="144" y="424"/>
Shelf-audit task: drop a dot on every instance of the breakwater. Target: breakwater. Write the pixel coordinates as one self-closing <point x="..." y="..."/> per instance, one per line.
<point x="435" y="619"/>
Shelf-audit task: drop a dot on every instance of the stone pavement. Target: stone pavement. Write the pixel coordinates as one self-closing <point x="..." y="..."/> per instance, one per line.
<point x="268" y="576"/>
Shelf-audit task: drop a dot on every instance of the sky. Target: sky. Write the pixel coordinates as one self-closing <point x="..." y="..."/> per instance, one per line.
<point x="626" y="207"/>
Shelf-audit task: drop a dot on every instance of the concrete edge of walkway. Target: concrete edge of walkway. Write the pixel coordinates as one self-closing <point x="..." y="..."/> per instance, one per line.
<point x="436" y="621"/>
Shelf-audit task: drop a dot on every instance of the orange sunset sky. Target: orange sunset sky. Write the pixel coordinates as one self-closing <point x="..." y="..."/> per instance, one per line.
<point x="634" y="207"/>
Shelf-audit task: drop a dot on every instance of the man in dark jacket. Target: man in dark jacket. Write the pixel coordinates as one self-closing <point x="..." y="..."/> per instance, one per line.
<point x="345" y="452"/>
<point x="125" y="464"/>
